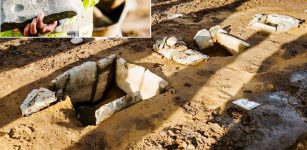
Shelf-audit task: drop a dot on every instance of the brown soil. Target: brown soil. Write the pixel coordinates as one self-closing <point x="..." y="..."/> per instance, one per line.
<point x="200" y="114"/>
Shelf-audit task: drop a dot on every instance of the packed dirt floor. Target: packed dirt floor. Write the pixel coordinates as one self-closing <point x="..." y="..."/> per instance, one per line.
<point x="199" y="115"/>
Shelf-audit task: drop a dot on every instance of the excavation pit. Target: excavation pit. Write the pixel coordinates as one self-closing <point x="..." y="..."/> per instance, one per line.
<point x="86" y="112"/>
<point x="98" y="90"/>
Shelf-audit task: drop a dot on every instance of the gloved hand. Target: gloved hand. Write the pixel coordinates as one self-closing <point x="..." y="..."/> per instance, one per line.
<point x="37" y="26"/>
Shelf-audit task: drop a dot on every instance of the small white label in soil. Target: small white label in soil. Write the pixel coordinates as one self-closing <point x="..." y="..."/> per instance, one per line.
<point x="246" y="104"/>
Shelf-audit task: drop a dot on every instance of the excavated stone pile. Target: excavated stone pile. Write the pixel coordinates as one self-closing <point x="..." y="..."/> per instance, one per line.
<point x="274" y="22"/>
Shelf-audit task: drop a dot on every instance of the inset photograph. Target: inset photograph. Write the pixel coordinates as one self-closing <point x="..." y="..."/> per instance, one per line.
<point x="75" y="18"/>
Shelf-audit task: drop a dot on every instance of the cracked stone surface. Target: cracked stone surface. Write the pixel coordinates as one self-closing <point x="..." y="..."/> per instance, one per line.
<point x="16" y="13"/>
<point x="36" y="100"/>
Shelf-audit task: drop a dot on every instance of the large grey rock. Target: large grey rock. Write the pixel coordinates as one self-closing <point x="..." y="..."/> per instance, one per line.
<point x="36" y="100"/>
<point x="108" y="110"/>
<point x="81" y="82"/>
<point x="129" y="77"/>
<point x="152" y="85"/>
<point x="106" y="69"/>
<point x="17" y="13"/>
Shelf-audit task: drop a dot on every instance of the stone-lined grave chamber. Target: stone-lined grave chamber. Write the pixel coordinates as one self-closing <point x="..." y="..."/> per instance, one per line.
<point x="98" y="90"/>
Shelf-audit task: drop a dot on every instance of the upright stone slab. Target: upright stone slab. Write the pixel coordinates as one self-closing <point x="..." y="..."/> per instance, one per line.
<point x="203" y="39"/>
<point x="129" y="77"/>
<point x="59" y="85"/>
<point x="214" y="31"/>
<point x="108" y="110"/>
<point x="106" y="70"/>
<point x="233" y="44"/>
<point x="17" y="13"/>
<point x="36" y="100"/>
<point x="81" y="82"/>
<point x="152" y="85"/>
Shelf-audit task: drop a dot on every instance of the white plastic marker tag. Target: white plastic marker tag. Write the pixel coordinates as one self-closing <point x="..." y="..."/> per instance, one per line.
<point x="246" y="104"/>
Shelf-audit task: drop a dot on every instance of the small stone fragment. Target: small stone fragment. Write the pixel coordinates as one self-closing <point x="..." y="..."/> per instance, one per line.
<point x="108" y="110"/>
<point x="36" y="100"/>
<point x="189" y="57"/>
<point x="76" y="40"/>
<point x="129" y="77"/>
<point x="246" y="104"/>
<point x="203" y="39"/>
<point x="80" y="84"/>
<point x="152" y="85"/>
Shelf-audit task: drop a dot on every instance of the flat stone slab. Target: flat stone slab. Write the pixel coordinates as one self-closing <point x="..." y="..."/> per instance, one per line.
<point x="106" y="73"/>
<point x="233" y="44"/>
<point x="152" y="85"/>
<point x="133" y="78"/>
<point x="190" y="57"/>
<point x="36" y="100"/>
<point x="108" y="110"/>
<point x="274" y="22"/>
<point x="129" y="77"/>
<point x="81" y="82"/>
<point x="17" y="13"/>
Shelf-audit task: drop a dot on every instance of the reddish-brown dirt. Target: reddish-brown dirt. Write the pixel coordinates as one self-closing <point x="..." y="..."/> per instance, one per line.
<point x="200" y="114"/>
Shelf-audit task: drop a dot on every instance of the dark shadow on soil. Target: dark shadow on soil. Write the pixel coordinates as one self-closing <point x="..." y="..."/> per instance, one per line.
<point x="36" y="49"/>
